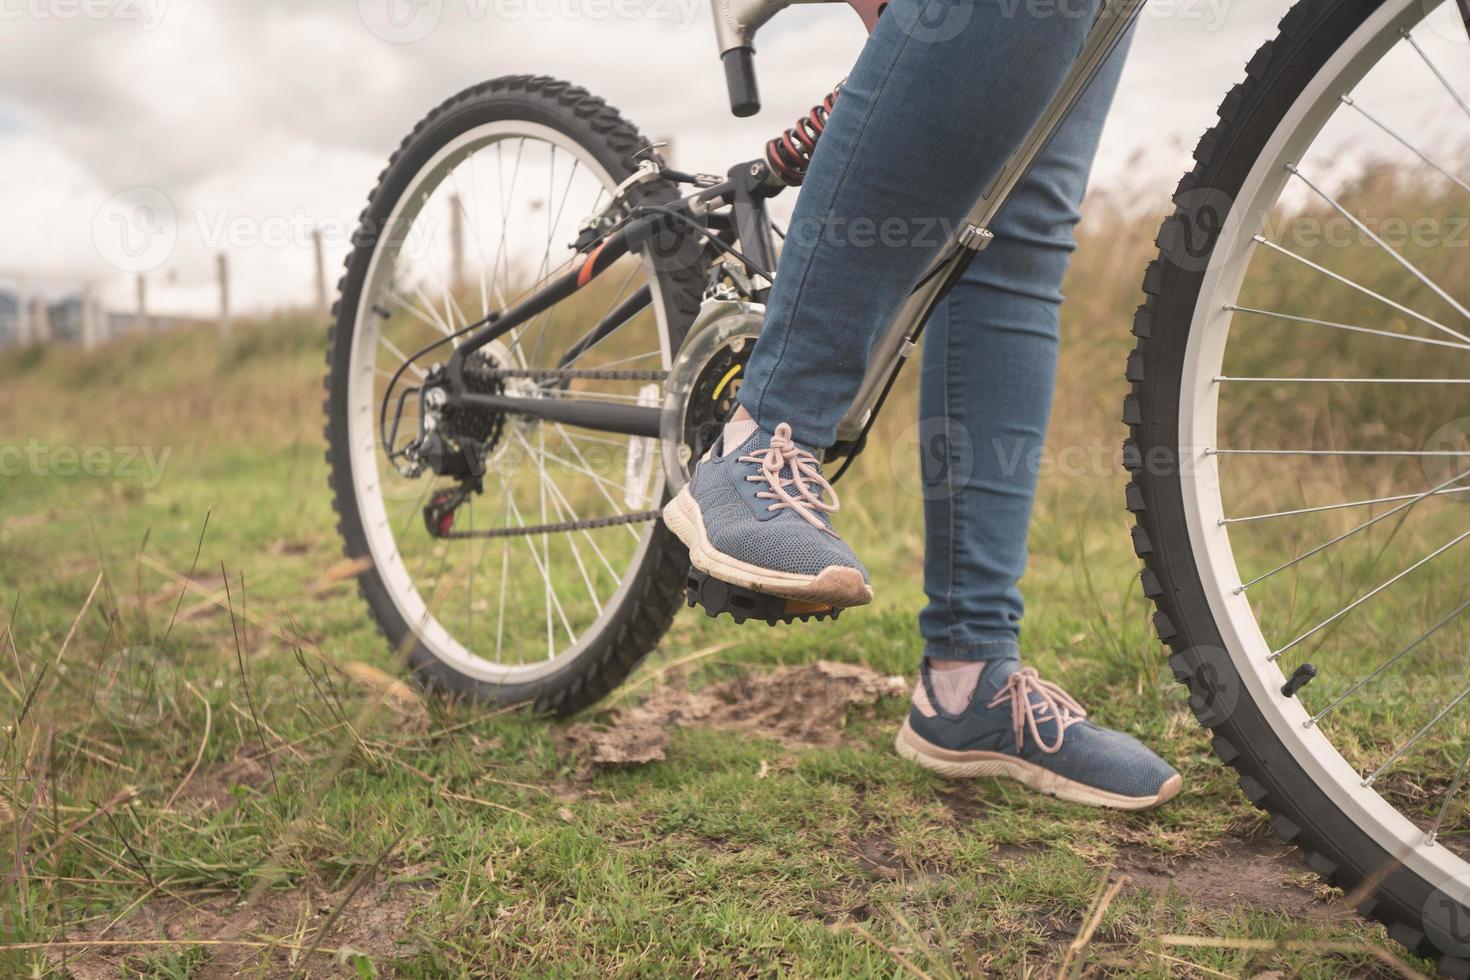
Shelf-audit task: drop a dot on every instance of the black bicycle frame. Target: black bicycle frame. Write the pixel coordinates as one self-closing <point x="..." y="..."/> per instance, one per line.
<point x="745" y="192"/>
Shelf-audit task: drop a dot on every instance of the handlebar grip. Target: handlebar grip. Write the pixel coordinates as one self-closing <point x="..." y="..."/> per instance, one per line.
<point x="745" y="98"/>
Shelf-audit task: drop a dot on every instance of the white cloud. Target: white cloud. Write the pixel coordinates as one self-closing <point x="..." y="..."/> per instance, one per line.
<point x="282" y="111"/>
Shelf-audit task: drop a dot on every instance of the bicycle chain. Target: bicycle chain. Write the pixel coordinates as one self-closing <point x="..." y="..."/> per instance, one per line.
<point x="572" y="374"/>
<point x="586" y="524"/>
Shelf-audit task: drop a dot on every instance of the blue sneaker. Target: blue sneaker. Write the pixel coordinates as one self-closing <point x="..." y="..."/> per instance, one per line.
<point x="755" y="516"/>
<point x="1024" y="728"/>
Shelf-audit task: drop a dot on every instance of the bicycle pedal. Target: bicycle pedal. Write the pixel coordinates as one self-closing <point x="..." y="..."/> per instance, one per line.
<point x="742" y="604"/>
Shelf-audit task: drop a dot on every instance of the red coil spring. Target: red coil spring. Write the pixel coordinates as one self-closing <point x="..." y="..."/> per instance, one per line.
<point x="790" y="154"/>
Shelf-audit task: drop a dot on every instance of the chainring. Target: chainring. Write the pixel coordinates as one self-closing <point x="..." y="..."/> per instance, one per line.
<point x="700" y="393"/>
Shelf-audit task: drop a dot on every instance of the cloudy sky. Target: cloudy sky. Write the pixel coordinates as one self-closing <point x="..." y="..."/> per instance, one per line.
<point x="259" y="121"/>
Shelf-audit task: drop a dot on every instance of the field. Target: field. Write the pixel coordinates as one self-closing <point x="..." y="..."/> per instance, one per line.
<point x="212" y="766"/>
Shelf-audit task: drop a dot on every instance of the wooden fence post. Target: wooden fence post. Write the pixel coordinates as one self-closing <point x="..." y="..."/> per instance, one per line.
<point x="143" y="324"/>
<point x="222" y="272"/>
<point x="322" y="302"/>
<point x="23" y="332"/>
<point x="41" y="320"/>
<point x="91" y="330"/>
<point x="456" y="242"/>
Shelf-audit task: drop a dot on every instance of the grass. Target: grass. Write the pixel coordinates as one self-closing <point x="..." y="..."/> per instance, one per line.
<point x="210" y="766"/>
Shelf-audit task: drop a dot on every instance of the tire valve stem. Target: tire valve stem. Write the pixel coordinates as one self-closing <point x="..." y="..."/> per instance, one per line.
<point x="1299" y="679"/>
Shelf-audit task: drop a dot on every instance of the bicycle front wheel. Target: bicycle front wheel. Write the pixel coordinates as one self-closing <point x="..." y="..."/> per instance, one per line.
<point x="1298" y="424"/>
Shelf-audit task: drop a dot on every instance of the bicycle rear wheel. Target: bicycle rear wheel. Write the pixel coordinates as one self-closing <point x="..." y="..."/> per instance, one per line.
<point x="480" y="206"/>
<point x="1299" y="473"/>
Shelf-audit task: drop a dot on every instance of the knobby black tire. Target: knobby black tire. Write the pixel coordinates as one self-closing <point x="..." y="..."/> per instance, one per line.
<point x="656" y="593"/>
<point x="1301" y="812"/>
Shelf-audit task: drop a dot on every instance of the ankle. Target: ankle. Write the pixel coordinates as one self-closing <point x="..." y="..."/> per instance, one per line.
<point x="742" y="426"/>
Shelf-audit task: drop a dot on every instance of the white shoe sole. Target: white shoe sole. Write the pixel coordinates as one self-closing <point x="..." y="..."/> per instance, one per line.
<point x="837" y="585"/>
<point x="968" y="765"/>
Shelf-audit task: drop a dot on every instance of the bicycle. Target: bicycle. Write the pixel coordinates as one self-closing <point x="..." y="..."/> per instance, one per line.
<point x="555" y="374"/>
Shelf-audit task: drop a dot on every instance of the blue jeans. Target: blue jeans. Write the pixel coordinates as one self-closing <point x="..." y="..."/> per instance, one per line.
<point x="943" y="93"/>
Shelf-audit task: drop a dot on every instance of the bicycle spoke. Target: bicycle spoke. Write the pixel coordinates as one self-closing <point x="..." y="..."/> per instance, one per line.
<point x="1364" y="598"/>
<point x="1403" y="652"/>
<point x="587" y="468"/>
<point x="1352" y="104"/>
<point x="1262" y="240"/>
<point x="602" y="480"/>
<point x="540" y="567"/>
<point x="630" y="358"/>
<point x="446" y="327"/>
<point x="413" y="310"/>
<point x="565" y="512"/>
<point x="1348" y="328"/>
<point x="504" y="578"/>
<point x="1412" y="269"/>
<point x="1450" y="89"/>
<point x="552" y="222"/>
<point x="1223" y="379"/>
<point x="1407" y="453"/>
<point x="1372" y="777"/>
<point x="1344" y="506"/>
<point x="1412" y="502"/>
<point x="505" y="205"/>
<point x="402" y="357"/>
<point x="1433" y="833"/>
<point x="546" y="552"/>
<point x="1351" y="329"/>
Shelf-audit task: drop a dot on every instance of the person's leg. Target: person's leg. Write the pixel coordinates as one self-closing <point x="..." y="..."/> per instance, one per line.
<point x="990" y="358"/>
<point x="943" y="93"/>
<point x="989" y="369"/>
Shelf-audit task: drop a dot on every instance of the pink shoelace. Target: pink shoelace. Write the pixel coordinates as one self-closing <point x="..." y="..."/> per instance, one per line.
<point x="1054" y="703"/>
<point x="783" y="454"/>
